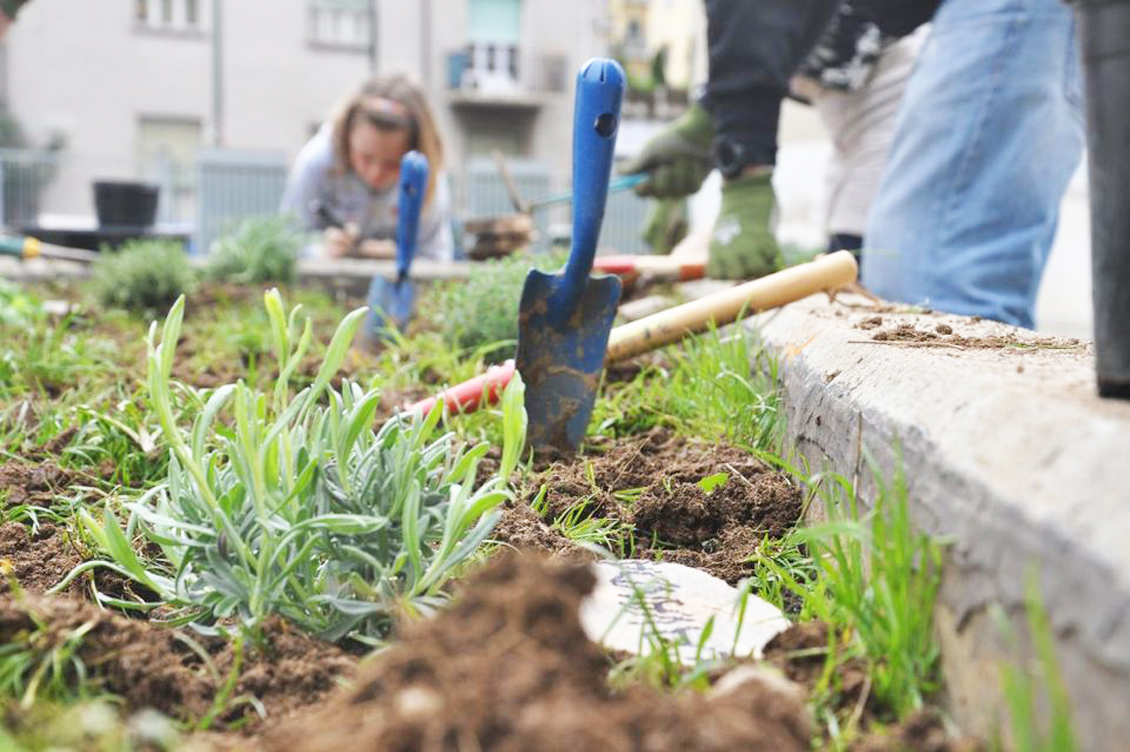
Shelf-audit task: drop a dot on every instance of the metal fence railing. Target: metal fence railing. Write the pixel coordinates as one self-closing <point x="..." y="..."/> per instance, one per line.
<point x="485" y="195"/>
<point x="24" y="174"/>
<point x="232" y="184"/>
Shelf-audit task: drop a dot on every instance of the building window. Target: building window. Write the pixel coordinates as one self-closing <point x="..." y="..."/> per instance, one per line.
<point x="167" y="15"/>
<point x="340" y="23"/>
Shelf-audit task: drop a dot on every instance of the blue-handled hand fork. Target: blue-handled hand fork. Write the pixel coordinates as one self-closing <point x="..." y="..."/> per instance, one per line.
<point x="564" y="319"/>
<point x="393" y="301"/>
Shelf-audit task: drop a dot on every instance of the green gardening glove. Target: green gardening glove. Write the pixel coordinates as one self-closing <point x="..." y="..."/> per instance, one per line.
<point x="677" y="159"/>
<point x="666" y="224"/>
<point x="742" y="246"/>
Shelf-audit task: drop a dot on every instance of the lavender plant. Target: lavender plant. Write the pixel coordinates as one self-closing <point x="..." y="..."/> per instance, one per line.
<point x="296" y="505"/>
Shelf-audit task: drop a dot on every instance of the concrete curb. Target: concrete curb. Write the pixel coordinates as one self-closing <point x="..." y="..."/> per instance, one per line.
<point x="1009" y="455"/>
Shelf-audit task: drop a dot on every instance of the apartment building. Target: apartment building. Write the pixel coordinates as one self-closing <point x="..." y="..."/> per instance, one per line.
<point x="137" y="88"/>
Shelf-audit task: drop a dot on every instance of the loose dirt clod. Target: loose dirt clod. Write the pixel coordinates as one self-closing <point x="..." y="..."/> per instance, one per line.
<point x="149" y="667"/>
<point x="651" y="484"/>
<point x="508" y="667"/>
<point x="921" y="732"/>
<point x="24" y="483"/>
<point x="38" y="561"/>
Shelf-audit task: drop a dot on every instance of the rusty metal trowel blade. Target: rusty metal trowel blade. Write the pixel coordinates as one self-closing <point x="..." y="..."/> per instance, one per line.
<point x="561" y="359"/>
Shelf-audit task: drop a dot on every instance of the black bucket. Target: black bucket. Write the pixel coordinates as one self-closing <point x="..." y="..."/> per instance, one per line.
<point x="125" y="204"/>
<point x="1104" y="38"/>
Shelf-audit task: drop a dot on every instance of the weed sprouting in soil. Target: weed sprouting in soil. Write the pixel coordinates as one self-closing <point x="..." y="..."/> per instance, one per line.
<point x="874" y="581"/>
<point x="42" y="663"/>
<point x="717" y="386"/>
<point x="1039" y="708"/>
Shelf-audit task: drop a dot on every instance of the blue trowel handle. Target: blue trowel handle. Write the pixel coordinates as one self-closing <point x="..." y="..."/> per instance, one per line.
<point x="600" y="87"/>
<point x="413" y="185"/>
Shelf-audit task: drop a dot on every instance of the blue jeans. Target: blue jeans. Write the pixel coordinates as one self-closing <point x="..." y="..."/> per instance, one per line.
<point x="990" y="132"/>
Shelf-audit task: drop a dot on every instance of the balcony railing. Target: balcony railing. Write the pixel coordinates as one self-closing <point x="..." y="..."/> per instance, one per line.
<point x="485" y="71"/>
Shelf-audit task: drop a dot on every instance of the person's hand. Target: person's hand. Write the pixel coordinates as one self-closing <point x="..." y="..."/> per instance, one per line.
<point x="677" y="159"/>
<point x="742" y="245"/>
<point x="339" y="241"/>
<point x="377" y="249"/>
<point x="666" y="224"/>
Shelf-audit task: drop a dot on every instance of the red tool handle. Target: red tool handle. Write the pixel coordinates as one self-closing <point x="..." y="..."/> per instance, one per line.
<point x="467" y="396"/>
<point x="628" y="264"/>
<point x="623" y="264"/>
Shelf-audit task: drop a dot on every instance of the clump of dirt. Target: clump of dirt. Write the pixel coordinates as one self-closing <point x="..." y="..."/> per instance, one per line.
<point x="508" y="667"/>
<point x="520" y="528"/>
<point x="923" y="731"/>
<point x="38" y="560"/>
<point x="800" y="652"/>
<point x="653" y="485"/>
<point x="904" y="333"/>
<point x="149" y="667"/>
<point x="943" y="335"/>
<point x="35" y="484"/>
<point x="40" y="557"/>
<point x="872" y="322"/>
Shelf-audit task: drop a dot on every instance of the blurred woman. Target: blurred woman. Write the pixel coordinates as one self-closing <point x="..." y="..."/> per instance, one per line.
<point x="344" y="181"/>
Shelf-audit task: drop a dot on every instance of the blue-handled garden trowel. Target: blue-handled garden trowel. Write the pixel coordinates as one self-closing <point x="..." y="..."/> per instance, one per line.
<point x="391" y="301"/>
<point x="564" y="319"/>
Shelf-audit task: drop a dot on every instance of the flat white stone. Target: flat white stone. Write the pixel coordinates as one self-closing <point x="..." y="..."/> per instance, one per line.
<point x="634" y="598"/>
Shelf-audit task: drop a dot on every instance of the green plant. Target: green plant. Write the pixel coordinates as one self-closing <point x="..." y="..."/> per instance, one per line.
<point x="874" y="580"/>
<point x="1029" y="686"/>
<point x="258" y="249"/>
<point x="710" y="390"/>
<point x="483" y="310"/>
<point x="144" y="276"/>
<point x="46" y="356"/>
<point x="87" y="726"/>
<point x="613" y="535"/>
<point x="300" y="508"/>
<point x="18" y="308"/>
<point x="43" y="662"/>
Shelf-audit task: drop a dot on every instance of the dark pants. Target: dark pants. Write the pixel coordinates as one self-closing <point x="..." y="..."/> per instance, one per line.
<point x="755" y="46"/>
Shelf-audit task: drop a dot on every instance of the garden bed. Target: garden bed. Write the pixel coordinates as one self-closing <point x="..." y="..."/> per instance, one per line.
<point x="680" y="466"/>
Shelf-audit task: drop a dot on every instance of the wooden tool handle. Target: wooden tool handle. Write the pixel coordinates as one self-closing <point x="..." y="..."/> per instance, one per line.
<point x="827" y="273"/>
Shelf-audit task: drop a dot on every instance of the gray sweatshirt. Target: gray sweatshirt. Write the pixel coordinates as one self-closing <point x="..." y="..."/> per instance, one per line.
<point x="347" y="198"/>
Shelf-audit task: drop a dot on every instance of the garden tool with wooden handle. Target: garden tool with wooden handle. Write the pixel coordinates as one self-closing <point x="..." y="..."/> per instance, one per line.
<point x="564" y="319"/>
<point x="825" y="274"/>
<point x="28" y="248"/>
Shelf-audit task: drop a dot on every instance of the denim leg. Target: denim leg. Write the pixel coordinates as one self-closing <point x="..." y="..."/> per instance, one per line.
<point x="990" y="131"/>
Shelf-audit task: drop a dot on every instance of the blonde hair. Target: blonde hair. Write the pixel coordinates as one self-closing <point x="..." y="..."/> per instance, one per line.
<point x="371" y="102"/>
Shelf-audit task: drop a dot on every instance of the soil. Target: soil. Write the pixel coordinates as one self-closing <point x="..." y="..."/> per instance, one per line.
<point x="520" y="528"/>
<point x="671" y="516"/>
<point x="508" y="667"/>
<point x="38" y="560"/>
<point x="149" y="666"/>
<point x="33" y="484"/>
<point x="800" y="652"/>
<point x="943" y="335"/>
<point x="922" y="732"/>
